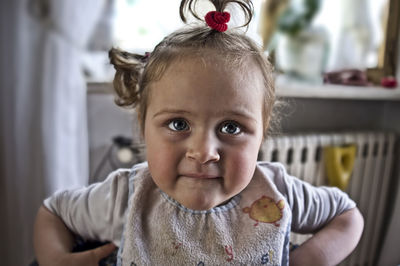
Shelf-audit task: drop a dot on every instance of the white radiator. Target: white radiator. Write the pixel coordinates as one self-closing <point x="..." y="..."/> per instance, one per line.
<point x="303" y="157"/>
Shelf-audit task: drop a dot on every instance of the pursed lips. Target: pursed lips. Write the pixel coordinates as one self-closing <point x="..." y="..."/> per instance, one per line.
<point x="201" y="176"/>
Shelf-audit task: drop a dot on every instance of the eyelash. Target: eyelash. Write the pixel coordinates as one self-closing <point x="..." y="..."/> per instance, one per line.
<point x="237" y="127"/>
<point x="172" y="126"/>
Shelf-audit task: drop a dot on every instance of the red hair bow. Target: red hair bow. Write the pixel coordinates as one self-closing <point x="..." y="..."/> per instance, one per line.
<point x="217" y="20"/>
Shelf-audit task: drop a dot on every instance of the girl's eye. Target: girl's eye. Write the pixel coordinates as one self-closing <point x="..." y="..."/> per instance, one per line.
<point x="230" y="128"/>
<point x="178" y="125"/>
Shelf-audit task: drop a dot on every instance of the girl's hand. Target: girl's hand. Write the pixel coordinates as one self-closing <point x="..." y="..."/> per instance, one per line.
<point x="87" y="258"/>
<point x="53" y="243"/>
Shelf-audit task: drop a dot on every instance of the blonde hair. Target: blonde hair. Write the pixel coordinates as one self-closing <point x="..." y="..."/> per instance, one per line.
<point x="135" y="72"/>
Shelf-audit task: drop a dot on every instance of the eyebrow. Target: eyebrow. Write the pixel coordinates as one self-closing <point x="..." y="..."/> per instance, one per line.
<point x="240" y="114"/>
<point x="224" y="113"/>
<point x="170" y="111"/>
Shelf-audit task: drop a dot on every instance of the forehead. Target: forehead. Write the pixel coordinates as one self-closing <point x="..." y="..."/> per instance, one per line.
<point x="208" y="80"/>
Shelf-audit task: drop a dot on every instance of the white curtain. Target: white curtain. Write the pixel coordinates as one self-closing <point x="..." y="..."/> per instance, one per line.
<point x="43" y="127"/>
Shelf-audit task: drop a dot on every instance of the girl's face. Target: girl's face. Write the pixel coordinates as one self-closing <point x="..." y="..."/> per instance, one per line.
<point x="203" y="130"/>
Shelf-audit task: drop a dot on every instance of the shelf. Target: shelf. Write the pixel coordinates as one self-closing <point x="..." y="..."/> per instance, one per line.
<point x="286" y="87"/>
<point x="289" y="88"/>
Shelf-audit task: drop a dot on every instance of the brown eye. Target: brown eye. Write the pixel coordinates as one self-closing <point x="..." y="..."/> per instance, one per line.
<point x="230" y="128"/>
<point x="178" y="125"/>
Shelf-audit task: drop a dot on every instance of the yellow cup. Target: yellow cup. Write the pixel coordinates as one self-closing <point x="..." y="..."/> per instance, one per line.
<point x="339" y="163"/>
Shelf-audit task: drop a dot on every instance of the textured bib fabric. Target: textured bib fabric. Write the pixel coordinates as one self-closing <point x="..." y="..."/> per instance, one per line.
<point x="251" y="229"/>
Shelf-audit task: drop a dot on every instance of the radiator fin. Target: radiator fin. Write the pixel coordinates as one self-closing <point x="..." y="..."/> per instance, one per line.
<point x="369" y="184"/>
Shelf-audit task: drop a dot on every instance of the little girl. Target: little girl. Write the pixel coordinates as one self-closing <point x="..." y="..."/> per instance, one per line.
<point x="204" y="99"/>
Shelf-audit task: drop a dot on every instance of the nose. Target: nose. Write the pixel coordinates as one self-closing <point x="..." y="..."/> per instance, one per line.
<point x="203" y="148"/>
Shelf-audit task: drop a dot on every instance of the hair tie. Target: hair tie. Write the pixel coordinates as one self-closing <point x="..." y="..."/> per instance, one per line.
<point x="145" y="57"/>
<point x="217" y="20"/>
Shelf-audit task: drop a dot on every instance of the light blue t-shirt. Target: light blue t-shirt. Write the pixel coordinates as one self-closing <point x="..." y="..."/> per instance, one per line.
<point x="252" y="228"/>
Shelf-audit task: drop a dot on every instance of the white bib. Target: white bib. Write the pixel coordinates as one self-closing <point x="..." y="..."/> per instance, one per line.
<point x="251" y="229"/>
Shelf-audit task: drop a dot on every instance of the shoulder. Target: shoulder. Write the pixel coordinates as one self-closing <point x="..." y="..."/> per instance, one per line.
<point x="274" y="171"/>
<point x="271" y="177"/>
<point x="125" y="175"/>
<point x="284" y="182"/>
<point x="290" y="186"/>
<point x="116" y="183"/>
<point x="125" y="180"/>
<point x="271" y="168"/>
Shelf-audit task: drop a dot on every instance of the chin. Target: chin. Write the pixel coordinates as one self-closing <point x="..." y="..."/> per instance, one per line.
<point x="200" y="204"/>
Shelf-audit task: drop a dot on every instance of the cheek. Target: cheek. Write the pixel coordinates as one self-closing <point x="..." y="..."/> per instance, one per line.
<point x="245" y="161"/>
<point x="158" y="154"/>
<point x="242" y="163"/>
<point x="161" y="165"/>
<point x="162" y="156"/>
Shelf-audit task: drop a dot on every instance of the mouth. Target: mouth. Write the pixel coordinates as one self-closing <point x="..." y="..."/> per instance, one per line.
<point x="200" y="176"/>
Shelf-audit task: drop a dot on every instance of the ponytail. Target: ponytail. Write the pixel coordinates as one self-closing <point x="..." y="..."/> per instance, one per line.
<point x="129" y="68"/>
<point x="220" y="6"/>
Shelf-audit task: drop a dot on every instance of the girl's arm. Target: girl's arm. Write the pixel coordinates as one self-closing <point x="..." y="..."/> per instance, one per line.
<point x="333" y="243"/>
<point x="53" y="243"/>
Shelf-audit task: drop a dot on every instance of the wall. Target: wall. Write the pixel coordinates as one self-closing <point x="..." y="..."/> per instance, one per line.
<point x="322" y="115"/>
<point x="106" y="121"/>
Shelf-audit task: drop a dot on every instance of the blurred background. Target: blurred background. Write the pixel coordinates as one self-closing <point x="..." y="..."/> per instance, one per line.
<point x="337" y="70"/>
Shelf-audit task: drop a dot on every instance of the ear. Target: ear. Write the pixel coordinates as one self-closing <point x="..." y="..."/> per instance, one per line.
<point x="141" y="123"/>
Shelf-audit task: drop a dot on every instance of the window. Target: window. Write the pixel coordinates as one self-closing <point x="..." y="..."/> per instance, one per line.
<point x="138" y="26"/>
